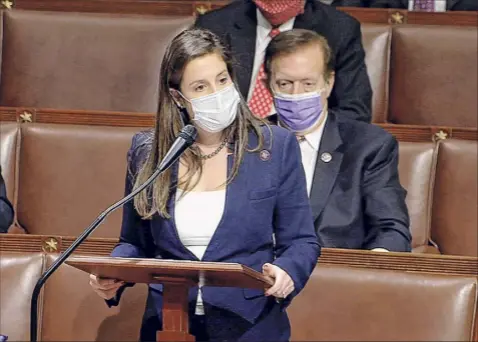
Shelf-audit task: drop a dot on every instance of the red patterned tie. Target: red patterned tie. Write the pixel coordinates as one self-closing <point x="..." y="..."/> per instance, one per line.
<point x="261" y="99"/>
<point x="424" y="5"/>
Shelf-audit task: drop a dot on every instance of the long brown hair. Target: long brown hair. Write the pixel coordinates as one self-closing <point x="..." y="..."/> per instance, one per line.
<point x="188" y="45"/>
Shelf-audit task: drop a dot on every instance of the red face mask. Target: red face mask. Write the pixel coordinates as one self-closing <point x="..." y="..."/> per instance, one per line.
<point x="278" y="12"/>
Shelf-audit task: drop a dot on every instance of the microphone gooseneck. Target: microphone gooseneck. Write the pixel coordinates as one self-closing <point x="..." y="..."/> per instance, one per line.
<point x="186" y="138"/>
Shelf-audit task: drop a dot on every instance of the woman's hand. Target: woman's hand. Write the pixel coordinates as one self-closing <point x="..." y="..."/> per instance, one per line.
<point x="105" y="288"/>
<point x="283" y="283"/>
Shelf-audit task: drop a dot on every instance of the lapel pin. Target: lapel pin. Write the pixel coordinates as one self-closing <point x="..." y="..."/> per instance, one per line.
<point x="326" y="157"/>
<point x="265" y="155"/>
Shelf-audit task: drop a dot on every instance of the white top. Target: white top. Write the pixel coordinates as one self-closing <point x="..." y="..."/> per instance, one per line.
<point x="197" y="215"/>
<point x="309" y="149"/>
<point x="262" y="40"/>
<point x="440" y="5"/>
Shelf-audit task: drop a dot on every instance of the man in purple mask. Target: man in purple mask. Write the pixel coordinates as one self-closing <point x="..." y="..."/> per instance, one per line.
<point x="351" y="167"/>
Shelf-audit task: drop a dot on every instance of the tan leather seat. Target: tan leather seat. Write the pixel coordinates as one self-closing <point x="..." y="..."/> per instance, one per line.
<point x="19" y="274"/>
<point x="68" y="175"/>
<point x="417" y="164"/>
<point x="349" y="304"/>
<point x="84" y="61"/>
<point x="376" y="42"/>
<point x="72" y="311"/>
<point x="455" y="203"/>
<point x="433" y="76"/>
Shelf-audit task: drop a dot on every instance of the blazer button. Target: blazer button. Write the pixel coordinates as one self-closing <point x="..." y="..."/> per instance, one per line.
<point x="265" y="155"/>
<point x="326" y="157"/>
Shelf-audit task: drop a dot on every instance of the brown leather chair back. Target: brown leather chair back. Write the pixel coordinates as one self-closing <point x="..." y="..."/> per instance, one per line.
<point x="376" y="41"/>
<point x="72" y="311"/>
<point x="351" y="304"/>
<point x="19" y="274"/>
<point x="9" y="132"/>
<point x="416" y="167"/>
<point x="84" y="61"/>
<point x="455" y="203"/>
<point x="433" y="76"/>
<point x="68" y="175"/>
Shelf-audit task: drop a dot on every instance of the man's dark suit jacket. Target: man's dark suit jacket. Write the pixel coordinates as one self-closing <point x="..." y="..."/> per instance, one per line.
<point x="6" y="209"/>
<point x="356" y="198"/>
<point x="451" y="5"/>
<point x="352" y="94"/>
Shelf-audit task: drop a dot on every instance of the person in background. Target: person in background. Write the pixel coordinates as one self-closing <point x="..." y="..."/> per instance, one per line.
<point x="213" y="205"/>
<point x="6" y="208"/>
<point x="413" y="5"/>
<point x="248" y="26"/>
<point x="351" y="167"/>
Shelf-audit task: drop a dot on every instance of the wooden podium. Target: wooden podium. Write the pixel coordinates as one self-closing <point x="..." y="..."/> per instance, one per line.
<point x="176" y="277"/>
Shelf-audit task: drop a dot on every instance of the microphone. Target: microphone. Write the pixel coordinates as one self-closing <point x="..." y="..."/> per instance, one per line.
<point x="185" y="139"/>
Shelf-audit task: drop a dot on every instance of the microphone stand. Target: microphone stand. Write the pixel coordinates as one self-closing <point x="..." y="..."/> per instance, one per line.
<point x="185" y="139"/>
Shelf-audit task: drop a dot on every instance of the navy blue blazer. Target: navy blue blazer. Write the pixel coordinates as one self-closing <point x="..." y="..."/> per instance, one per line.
<point x="236" y="24"/>
<point x="267" y="197"/>
<point x="356" y="197"/>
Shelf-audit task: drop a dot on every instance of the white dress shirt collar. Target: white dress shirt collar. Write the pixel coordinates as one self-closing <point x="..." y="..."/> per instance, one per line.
<point x="264" y="27"/>
<point x="314" y="138"/>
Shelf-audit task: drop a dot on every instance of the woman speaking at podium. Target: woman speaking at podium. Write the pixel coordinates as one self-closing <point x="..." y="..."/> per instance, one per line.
<point x="237" y="195"/>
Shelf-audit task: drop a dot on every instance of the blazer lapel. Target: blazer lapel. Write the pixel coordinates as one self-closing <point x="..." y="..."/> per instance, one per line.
<point x="327" y="167"/>
<point x="173" y="230"/>
<point x="244" y="45"/>
<point x="233" y="190"/>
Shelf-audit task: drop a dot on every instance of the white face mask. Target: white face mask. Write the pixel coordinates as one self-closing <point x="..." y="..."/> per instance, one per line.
<point x="216" y="111"/>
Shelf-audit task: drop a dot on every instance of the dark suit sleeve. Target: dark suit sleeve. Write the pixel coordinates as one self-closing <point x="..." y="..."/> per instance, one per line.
<point x="211" y="23"/>
<point x="389" y="4"/>
<point x="6" y="208"/>
<point x="297" y="247"/>
<point x="349" y="3"/>
<point x="135" y="238"/>
<point x="200" y="22"/>
<point x="386" y="214"/>
<point x="465" y="5"/>
<point x="352" y="93"/>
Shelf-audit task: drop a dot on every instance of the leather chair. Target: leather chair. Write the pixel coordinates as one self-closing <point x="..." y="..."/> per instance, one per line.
<point x="73" y="312"/>
<point x="84" y="61"/>
<point x="416" y="167"/>
<point x="19" y="274"/>
<point x="351" y="304"/>
<point x="68" y="175"/>
<point x="455" y="203"/>
<point x="111" y="62"/>
<point x="433" y="76"/>
<point x="376" y="41"/>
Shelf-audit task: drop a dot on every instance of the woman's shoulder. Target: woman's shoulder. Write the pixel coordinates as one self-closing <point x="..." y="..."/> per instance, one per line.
<point x="140" y="147"/>
<point x="275" y="136"/>
<point x="142" y="138"/>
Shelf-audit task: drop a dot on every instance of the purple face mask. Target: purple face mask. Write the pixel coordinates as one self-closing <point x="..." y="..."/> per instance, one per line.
<point x="299" y="112"/>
